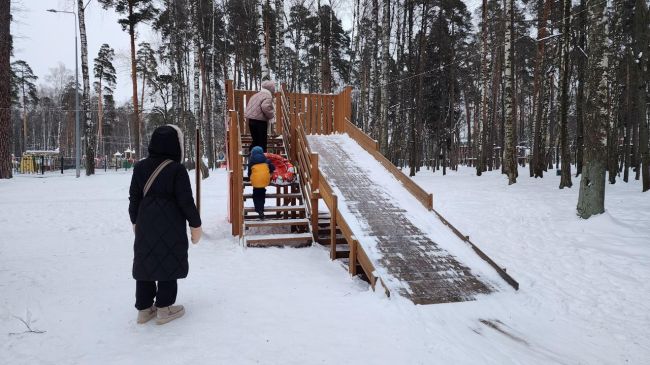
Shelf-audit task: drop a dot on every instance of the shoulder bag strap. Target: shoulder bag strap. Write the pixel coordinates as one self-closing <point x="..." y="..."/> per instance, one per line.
<point x="153" y="176"/>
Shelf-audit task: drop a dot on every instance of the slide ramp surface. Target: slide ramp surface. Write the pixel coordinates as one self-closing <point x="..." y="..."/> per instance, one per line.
<point x="413" y="252"/>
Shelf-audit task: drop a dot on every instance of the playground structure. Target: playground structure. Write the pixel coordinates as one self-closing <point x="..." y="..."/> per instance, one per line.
<point x="364" y="221"/>
<point x="37" y="162"/>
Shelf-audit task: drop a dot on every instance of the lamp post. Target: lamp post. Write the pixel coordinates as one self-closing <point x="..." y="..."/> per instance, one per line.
<point x="77" y="161"/>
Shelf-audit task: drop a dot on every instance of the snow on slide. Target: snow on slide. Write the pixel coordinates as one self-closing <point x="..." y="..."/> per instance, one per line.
<point x="414" y="253"/>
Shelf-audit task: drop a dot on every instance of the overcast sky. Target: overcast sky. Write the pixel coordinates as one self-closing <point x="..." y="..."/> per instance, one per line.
<point x="46" y="39"/>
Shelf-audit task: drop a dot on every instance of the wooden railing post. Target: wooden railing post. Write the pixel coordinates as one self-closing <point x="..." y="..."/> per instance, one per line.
<point x="314" y="193"/>
<point x="278" y="113"/>
<point x="352" y="264"/>
<point x="333" y="210"/>
<point x="235" y="174"/>
<point x="230" y="95"/>
<point x="294" y="137"/>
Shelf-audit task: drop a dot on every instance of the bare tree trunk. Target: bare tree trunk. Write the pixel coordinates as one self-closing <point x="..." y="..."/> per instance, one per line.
<point x="580" y="99"/>
<point x="137" y="133"/>
<point x="89" y="133"/>
<point x="628" y="125"/>
<point x="100" y="117"/>
<point x="565" y="180"/>
<point x="538" y="163"/>
<point x="510" y="162"/>
<point x="591" y="199"/>
<point x="5" y="90"/>
<point x="481" y="137"/>
<point x="641" y="36"/>
<point x="264" y="57"/>
<point x="279" y="39"/>
<point x="385" y="56"/>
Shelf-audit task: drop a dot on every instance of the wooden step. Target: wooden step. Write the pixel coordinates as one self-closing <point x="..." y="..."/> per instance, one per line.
<point x="295" y="183"/>
<point x="275" y="196"/>
<point x="279" y="240"/>
<point x="268" y="140"/>
<point x="284" y="155"/>
<point x="325" y="239"/>
<point x="325" y="231"/>
<point x="282" y="208"/>
<point x="343" y="251"/>
<point x="275" y="222"/>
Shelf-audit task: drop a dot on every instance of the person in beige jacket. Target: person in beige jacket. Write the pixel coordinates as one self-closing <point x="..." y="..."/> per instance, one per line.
<point x="259" y="111"/>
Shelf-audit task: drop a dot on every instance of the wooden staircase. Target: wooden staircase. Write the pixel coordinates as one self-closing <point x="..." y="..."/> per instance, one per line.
<point x="286" y="222"/>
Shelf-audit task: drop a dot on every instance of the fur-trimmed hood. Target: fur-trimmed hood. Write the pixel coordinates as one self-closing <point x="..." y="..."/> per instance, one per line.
<point x="167" y="142"/>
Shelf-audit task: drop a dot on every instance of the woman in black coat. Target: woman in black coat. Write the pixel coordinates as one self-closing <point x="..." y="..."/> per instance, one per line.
<point x="159" y="221"/>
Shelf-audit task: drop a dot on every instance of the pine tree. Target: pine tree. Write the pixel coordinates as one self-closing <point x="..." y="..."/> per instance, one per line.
<point x="147" y="67"/>
<point x="641" y="66"/>
<point x="565" y="180"/>
<point x="385" y="61"/>
<point x="541" y="94"/>
<point x="89" y="133"/>
<point x="5" y="89"/>
<point x="23" y="82"/>
<point x="580" y="99"/>
<point x="106" y="79"/>
<point x="591" y="199"/>
<point x="135" y="12"/>
<point x="510" y="162"/>
<point x="482" y="127"/>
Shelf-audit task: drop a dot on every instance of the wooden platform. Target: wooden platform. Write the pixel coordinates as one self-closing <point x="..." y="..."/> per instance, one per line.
<point x="417" y="267"/>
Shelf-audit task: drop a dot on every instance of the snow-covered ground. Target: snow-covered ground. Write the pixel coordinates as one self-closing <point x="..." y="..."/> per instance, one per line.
<point x="65" y="268"/>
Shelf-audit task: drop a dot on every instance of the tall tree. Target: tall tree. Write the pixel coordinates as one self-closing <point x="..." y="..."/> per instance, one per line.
<point x="89" y="133"/>
<point x="264" y="57"/>
<point x="5" y="90"/>
<point x="541" y="94"/>
<point x="106" y="79"/>
<point x="147" y="67"/>
<point x="482" y="135"/>
<point x="279" y="40"/>
<point x="580" y="92"/>
<point x="640" y="46"/>
<point x="510" y="162"/>
<point x="23" y="82"/>
<point x="591" y="199"/>
<point x="565" y="180"/>
<point x="383" y="89"/>
<point x="135" y="12"/>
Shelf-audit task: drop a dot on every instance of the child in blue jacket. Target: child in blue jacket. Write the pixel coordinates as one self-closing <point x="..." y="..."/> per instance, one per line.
<point x="259" y="173"/>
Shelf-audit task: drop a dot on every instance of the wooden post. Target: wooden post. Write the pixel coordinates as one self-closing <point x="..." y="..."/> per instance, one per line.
<point x="230" y="95"/>
<point x="198" y="170"/>
<point x="353" y="257"/>
<point x="342" y="109"/>
<point x="278" y="113"/>
<point x="314" y="193"/>
<point x="235" y="171"/>
<point x="333" y="211"/>
<point x="294" y="137"/>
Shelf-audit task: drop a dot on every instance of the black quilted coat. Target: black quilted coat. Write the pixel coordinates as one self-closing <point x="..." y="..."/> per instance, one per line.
<point x="160" y="248"/>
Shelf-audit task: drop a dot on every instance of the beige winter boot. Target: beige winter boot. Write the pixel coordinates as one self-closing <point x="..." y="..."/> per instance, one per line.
<point x="167" y="314"/>
<point x="146" y="315"/>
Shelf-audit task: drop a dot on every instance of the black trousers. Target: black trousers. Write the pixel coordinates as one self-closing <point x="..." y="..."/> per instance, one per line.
<point x="146" y="291"/>
<point x="259" y="196"/>
<point x="259" y="132"/>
